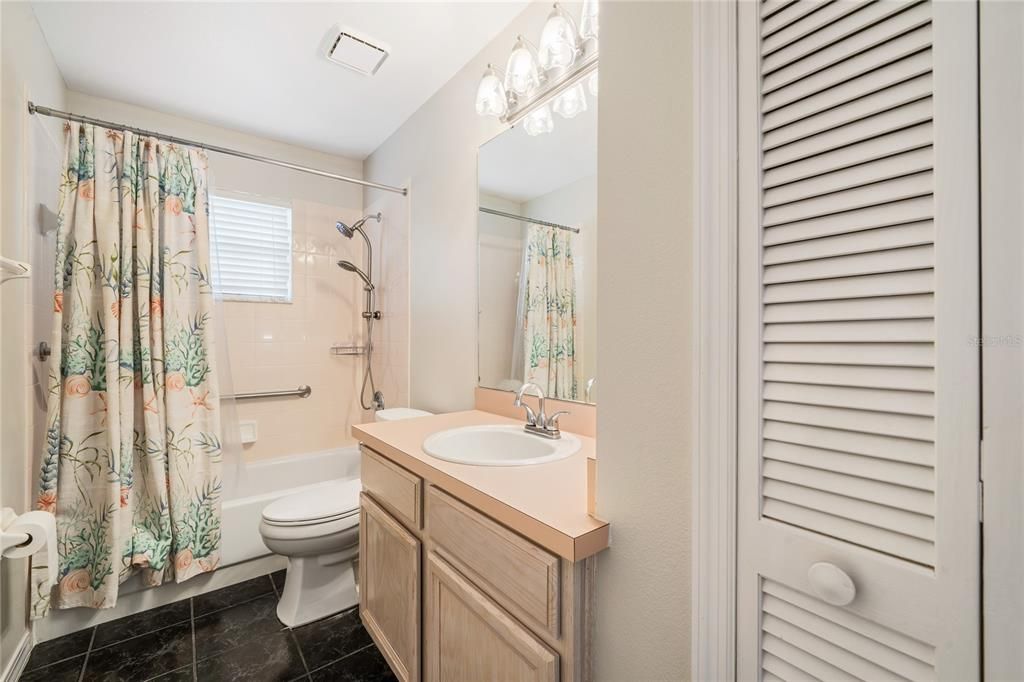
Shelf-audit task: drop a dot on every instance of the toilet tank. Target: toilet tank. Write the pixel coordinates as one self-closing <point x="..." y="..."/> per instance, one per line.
<point x="393" y="414"/>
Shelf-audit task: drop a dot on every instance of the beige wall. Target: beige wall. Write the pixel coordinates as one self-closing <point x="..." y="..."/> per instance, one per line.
<point x="645" y="323"/>
<point x="436" y="148"/>
<point x="276" y="346"/>
<point x="28" y="72"/>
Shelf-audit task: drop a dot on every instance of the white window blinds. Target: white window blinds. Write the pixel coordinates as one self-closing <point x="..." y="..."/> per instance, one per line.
<point x="252" y="249"/>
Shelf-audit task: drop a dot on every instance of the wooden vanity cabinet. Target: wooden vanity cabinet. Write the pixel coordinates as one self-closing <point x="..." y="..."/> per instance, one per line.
<point x="389" y="588"/>
<point x="451" y="595"/>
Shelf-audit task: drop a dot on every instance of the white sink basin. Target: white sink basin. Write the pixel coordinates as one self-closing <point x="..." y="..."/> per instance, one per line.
<point x="498" y="446"/>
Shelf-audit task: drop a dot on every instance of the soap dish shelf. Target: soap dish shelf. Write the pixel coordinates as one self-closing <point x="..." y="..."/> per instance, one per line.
<point x="348" y="349"/>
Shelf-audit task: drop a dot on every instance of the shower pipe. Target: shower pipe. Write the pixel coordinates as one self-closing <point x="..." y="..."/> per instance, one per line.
<point x="46" y="111"/>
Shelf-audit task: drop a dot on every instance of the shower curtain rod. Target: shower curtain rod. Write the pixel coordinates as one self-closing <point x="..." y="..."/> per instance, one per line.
<point x="513" y="216"/>
<point x="46" y="111"/>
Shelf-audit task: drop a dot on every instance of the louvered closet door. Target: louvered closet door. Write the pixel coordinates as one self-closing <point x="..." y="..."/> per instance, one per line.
<point x="858" y="404"/>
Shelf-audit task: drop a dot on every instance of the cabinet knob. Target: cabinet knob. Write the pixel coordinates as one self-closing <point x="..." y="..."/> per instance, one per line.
<point x="831" y="583"/>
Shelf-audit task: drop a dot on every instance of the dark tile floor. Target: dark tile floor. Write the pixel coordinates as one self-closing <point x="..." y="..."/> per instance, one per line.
<point x="230" y="634"/>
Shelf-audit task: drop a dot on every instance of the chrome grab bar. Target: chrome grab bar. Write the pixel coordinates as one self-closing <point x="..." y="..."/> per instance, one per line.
<point x="301" y="392"/>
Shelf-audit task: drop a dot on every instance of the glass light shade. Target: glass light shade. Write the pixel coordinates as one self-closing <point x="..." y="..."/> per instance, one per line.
<point x="539" y="121"/>
<point x="491" y="99"/>
<point x="558" y="45"/>
<point x="592" y="83"/>
<point x="588" y="20"/>
<point x="523" y="74"/>
<point x="571" y="102"/>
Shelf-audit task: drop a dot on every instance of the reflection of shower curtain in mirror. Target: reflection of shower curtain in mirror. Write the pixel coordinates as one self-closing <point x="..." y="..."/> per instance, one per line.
<point x="549" y="312"/>
<point x="132" y="459"/>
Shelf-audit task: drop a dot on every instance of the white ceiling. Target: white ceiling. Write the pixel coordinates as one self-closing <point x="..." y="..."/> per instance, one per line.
<point x="260" y="67"/>
<point x="520" y="167"/>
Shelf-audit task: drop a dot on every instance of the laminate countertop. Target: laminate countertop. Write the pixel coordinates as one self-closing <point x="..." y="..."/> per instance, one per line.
<point x="546" y="503"/>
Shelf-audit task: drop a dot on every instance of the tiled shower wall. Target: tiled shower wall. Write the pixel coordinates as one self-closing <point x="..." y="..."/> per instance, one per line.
<point x="280" y="346"/>
<point x="391" y="333"/>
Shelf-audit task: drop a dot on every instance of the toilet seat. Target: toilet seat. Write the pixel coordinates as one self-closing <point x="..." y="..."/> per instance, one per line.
<point x="325" y="504"/>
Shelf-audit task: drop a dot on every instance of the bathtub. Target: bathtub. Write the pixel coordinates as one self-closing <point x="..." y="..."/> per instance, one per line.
<point x="252" y="486"/>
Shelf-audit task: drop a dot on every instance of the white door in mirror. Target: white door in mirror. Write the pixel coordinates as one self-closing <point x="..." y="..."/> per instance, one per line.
<point x="498" y="445"/>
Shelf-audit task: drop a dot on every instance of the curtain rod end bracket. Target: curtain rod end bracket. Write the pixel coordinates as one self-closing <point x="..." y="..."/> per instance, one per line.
<point x="31" y="107"/>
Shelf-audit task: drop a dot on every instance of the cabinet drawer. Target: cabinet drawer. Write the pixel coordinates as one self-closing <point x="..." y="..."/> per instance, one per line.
<point x="516" y="573"/>
<point x="398" y="490"/>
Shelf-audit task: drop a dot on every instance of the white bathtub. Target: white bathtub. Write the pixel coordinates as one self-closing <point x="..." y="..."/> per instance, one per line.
<point x="251" y="487"/>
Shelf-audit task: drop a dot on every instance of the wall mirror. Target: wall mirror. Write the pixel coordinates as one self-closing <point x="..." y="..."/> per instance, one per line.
<point x="537" y="258"/>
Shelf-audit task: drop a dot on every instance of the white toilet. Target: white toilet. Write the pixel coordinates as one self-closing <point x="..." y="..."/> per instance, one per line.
<point x="318" y="530"/>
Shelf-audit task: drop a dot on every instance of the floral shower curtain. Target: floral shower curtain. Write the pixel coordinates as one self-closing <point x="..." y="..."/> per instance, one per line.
<point x="549" y="312"/>
<point x="133" y="448"/>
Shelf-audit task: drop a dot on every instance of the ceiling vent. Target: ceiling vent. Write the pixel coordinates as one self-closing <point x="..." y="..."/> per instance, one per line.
<point x="356" y="53"/>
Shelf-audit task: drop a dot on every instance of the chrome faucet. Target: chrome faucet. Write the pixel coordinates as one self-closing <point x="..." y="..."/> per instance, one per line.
<point x="538" y="423"/>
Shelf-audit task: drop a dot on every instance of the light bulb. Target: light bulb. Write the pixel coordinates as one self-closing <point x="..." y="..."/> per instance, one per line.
<point x="491" y="99"/>
<point x="571" y="102"/>
<point x="592" y="83"/>
<point x="539" y="121"/>
<point x="588" y="20"/>
<point x="522" y="75"/>
<point x="558" y="46"/>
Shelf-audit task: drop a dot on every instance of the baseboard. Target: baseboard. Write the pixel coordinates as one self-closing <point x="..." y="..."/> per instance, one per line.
<point x="20" y="658"/>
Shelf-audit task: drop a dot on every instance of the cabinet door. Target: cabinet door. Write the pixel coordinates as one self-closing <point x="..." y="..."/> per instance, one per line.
<point x="469" y="638"/>
<point x="389" y="593"/>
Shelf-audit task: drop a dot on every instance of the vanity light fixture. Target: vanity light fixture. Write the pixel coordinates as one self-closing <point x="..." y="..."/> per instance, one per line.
<point x="571" y="102"/>
<point x="523" y="75"/>
<point x="539" y="121"/>
<point x="537" y="82"/>
<point x="588" y="20"/>
<point x="491" y="98"/>
<point x="558" y="46"/>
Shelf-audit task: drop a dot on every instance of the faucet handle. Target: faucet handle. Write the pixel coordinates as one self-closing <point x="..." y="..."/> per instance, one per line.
<point x="553" y="419"/>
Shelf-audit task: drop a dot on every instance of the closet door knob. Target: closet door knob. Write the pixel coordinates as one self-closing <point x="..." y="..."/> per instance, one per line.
<point x="831" y="583"/>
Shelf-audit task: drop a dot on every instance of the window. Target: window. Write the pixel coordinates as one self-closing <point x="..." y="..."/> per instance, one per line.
<point x="252" y="250"/>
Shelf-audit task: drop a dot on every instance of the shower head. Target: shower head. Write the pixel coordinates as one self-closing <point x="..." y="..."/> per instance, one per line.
<point x="350" y="230"/>
<point x="352" y="267"/>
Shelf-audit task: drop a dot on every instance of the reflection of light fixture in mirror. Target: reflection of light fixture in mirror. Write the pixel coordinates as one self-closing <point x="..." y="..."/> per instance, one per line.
<point x="571" y="102"/>
<point x="558" y="41"/>
<point x="588" y="20"/>
<point x="539" y="121"/>
<point x="592" y="83"/>
<point x="522" y="75"/>
<point x="491" y="98"/>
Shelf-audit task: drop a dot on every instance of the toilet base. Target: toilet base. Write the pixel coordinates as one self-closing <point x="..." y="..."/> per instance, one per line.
<point x="317" y="587"/>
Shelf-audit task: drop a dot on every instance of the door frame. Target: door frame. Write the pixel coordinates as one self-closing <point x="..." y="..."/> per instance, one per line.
<point x="715" y="357"/>
<point x="1001" y="29"/>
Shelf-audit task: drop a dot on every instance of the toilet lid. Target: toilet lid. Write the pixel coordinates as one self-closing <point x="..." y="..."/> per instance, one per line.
<point x="331" y="500"/>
